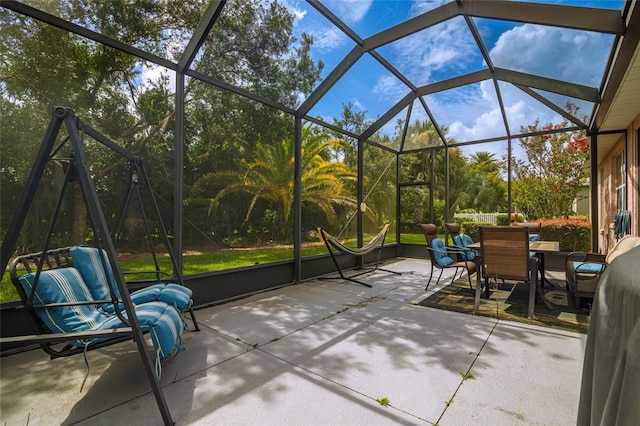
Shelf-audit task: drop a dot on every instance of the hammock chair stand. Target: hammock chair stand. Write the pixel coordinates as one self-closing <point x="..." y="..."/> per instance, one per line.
<point x="77" y="170"/>
<point x="331" y="241"/>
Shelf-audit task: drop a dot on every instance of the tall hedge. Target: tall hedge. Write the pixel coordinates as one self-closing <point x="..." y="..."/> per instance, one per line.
<point x="574" y="233"/>
<point x="472" y="229"/>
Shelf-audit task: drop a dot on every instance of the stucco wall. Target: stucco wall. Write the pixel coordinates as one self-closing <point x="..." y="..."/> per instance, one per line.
<point x="633" y="191"/>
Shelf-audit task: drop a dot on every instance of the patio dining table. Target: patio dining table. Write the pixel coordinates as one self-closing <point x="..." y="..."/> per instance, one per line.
<point x="540" y="248"/>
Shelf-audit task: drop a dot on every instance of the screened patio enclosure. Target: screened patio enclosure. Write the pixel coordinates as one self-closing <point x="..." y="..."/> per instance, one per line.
<point x="260" y="121"/>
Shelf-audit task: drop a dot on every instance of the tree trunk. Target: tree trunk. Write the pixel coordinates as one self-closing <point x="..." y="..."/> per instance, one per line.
<point x="79" y="229"/>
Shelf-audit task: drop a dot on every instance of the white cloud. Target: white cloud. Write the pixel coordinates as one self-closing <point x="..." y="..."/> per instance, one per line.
<point x="152" y="73"/>
<point x="553" y="52"/>
<point x="329" y="42"/>
<point x="549" y="52"/>
<point x="298" y="14"/>
<point x="351" y="11"/>
<point x="481" y="112"/>
<point x="446" y="50"/>
<point x="388" y="88"/>
<point x="448" y="46"/>
<point x="484" y="126"/>
<point x="473" y="113"/>
<point x="523" y="110"/>
<point x="484" y="118"/>
<point x="419" y="7"/>
<point x="294" y="8"/>
<point x="328" y="38"/>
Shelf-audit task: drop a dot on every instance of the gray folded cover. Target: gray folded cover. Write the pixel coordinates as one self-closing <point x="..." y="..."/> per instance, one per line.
<point x="610" y="391"/>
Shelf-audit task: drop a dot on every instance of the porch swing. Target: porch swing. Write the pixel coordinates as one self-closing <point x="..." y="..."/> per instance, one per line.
<point x="78" y="295"/>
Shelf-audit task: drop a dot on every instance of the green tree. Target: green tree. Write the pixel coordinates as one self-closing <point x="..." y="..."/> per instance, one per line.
<point x="379" y="187"/>
<point x="418" y="167"/>
<point x="486" y="192"/>
<point x="269" y="177"/>
<point x="105" y="87"/>
<point x="486" y="188"/>
<point x="457" y="178"/>
<point x="483" y="162"/>
<point x="546" y="185"/>
<point x="220" y="125"/>
<point x="86" y="76"/>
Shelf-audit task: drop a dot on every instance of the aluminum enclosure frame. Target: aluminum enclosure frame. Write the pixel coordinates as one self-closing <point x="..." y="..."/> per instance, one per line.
<point x="599" y="20"/>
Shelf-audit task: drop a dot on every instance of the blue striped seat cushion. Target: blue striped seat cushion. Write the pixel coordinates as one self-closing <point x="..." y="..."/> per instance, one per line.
<point x="65" y="285"/>
<point x="163" y="322"/>
<point x="87" y="261"/>
<point x="175" y="295"/>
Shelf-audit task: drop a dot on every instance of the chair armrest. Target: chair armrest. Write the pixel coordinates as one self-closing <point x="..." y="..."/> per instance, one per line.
<point x="585" y="266"/>
<point x="457" y="249"/>
<point x="449" y="251"/>
<point x="445" y="251"/>
<point x="461" y="248"/>
<point x="590" y="269"/>
<point x="458" y="253"/>
<point x="582" y="256"/>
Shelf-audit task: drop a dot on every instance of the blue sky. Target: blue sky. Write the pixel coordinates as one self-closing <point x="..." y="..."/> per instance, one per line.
<point x="448" y="50"/>
<point x="445" y="51"/>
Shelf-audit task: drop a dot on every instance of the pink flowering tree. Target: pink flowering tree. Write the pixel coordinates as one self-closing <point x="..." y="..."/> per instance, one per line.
<point x="547" y="182"/>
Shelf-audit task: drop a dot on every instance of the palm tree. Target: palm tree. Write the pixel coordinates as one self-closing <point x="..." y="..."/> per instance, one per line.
<point x="487" y="192"/>
<point x="486" y="187"/>
<point x="269" y="177"/>
<point x="424" y="133"/>
<point x="457" y="178"/>
<point x="484" y="161"/>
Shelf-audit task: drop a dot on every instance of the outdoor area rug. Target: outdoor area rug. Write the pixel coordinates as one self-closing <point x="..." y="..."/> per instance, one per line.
<point x="510" y="302"/>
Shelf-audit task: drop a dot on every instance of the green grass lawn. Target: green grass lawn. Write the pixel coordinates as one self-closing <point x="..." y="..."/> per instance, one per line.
<point x="413" y="239"/>
<point x="192" y="264"/>
<point x="207" y="262"/>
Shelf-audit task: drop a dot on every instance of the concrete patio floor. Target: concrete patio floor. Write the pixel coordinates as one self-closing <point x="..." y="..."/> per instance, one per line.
<point x="318" y="353"/>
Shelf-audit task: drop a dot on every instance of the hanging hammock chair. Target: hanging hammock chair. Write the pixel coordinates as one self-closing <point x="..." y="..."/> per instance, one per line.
<point x="334" y="245"/>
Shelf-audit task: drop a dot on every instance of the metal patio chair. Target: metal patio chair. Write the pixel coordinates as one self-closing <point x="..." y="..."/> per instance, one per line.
<point x="504" y="254"/>
<point x="441" y="256"/>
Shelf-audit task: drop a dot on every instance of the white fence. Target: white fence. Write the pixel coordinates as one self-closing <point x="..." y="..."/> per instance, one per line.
<point x="481" y="217"/>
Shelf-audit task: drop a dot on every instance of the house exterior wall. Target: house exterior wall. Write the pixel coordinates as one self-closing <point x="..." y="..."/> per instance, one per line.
<point x="582" y="202"/>
<point x="609" y="180"/>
